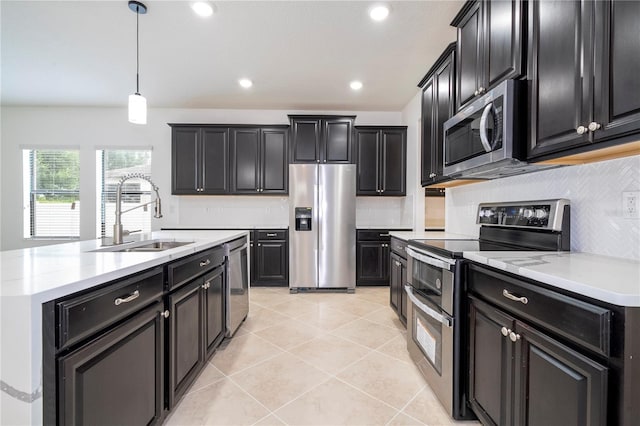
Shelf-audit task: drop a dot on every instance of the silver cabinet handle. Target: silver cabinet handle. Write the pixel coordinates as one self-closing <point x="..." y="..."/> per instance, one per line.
<point x="481" y="90"/>
<point x="384" y="235"/>
<point x="511" y="296"/>
<point x="476" y="93"/>
<point x="581" y="130"/>
<point x="505" y="331"/>
<point x="432" y="175"/>
<point x="165" y="314"/>
<point x="593" y="126"/>
<point x="206" y="285"/>
<point x="129" y="298"/>
<point x="397" y="263"/>
<point x="513" y="336"/>
<point x="271" y="234"/>
<point x="205" y="262"/>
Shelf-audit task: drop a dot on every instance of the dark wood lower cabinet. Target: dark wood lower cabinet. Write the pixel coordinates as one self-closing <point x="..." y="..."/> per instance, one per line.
<point x="270" y="264"/>
<point x="116" y="379"/>
<point x="213" y="300"/>
<point x="186" y="353"/>
<point x="397" y="280"/>
<point x="519" y="375"/>
<point x="372" y="263"/>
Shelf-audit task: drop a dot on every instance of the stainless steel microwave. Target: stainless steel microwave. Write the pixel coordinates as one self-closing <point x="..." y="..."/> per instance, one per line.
<point x="487" y="139"/>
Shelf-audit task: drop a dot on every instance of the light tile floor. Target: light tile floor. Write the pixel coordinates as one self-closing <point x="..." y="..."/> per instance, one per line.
<point x="313" y="359"/>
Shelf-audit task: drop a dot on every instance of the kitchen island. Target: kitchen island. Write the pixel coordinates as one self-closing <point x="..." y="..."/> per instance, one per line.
<point x="32" y="277"/>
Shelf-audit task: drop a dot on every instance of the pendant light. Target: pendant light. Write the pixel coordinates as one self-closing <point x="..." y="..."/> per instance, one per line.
<point x="137" y="102"/>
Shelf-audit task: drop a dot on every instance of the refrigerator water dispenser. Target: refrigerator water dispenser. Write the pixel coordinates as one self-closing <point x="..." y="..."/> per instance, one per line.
<point x="303" y="218"/>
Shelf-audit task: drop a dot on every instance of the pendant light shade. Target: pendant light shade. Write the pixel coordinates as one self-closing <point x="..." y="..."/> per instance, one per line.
<point x="137" y="102"/>
<point x="137" y="109"/>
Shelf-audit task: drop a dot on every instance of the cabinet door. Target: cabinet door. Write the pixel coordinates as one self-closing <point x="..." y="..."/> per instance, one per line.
<point x="443" y="105"/>
<point x="469" y="55"/>
<point x="274" y="165"/>
<point x="393" y="162"/>
<point x="185" y="164"/>
<point x="616" y="100"/>
<point x="428" y="133"/>
<point x="245" y="155"/>
<point x="116" y="379"/>
<point x="367" y="149"/>
<point x="490" y="364"/>
<point x="371" y="269"/>
<point x="555" y="384"/>
<point x="272" y="261"/>
<point x="503" y="52"/>
<point x="252" y="257"/>
<point x="186" y="352"/>
<point x="395" y="283"/>
<point x="215" y="161"/>
<point x="560" y="46"/>
<point x="214" y="322"/>
<point x="305" y="140"/>
<point x="337" y="140"/>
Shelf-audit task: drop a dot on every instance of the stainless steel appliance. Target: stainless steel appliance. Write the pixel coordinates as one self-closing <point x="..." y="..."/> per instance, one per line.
<point x="436" y="317"/>
<point x="237" y="306"/>
<point x="322" y="226"/>
<point x="487" y="139"/>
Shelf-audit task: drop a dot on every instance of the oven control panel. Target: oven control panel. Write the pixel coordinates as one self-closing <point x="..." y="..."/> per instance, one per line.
<point x="545" y="214"/>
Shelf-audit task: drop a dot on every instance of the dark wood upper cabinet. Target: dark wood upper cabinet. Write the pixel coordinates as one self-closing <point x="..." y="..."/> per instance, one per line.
<point x="259" y="160"/>
<point x="490" y="46"/>
<point x="583" y="64"/>
<point x="199" y="160"/>
<point x="381" y="158"/>
<point x="245" y="160"/>
<point x="438" y="101"/>
<point x="321" y="139"/>
<point x="220" y="159"/>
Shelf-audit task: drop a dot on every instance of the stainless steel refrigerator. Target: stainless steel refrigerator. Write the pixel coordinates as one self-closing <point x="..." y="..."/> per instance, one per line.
<point x="322" y="226"/>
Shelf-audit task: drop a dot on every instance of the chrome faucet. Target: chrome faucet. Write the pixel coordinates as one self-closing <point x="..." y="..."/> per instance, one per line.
<point x="117" y="227"/>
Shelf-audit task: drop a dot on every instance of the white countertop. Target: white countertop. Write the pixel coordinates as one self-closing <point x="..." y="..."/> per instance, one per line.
<point x="609" y="279"/>
<point x="430" y="235"/>
<point x="48" y="272"/>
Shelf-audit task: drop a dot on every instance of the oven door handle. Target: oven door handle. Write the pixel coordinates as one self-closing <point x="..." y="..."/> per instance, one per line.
<point x="428" y="260"/>
<point x="444" y="319"/>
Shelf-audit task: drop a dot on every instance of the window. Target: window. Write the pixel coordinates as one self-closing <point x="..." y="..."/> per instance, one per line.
<point x="113" y="164"/>
<point x="51" y="193"/>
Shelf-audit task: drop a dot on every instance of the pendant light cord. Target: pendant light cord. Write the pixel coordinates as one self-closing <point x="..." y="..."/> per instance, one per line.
<point x="137" y="50"/>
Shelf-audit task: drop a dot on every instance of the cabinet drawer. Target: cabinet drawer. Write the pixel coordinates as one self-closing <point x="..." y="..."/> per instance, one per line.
<point x="184" y="270"/>
<point x="399" y="247"/>
<point x="581" y="322"/>
<point x="272" y="234"/>
<point x="84" y="315"/>
<point x="373" y="235"/>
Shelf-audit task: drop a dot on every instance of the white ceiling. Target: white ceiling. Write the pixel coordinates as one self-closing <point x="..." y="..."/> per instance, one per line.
<point x="299" y="54"/>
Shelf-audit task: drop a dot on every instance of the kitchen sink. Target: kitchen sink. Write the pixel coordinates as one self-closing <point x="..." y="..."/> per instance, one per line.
<point x="144" y="246"/>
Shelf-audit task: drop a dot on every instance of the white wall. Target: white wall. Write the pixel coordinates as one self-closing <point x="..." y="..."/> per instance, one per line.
<point x="595" y="191"/>
<point x="93" y="128"/>
<point x="411" y="116"/>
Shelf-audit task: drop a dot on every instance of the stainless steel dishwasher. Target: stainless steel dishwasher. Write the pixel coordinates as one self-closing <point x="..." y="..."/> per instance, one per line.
<point x="237" y="303"/>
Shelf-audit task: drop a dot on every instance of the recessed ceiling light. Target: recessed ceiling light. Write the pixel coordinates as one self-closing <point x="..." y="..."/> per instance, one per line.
<point x="356" y="85"/>
<point x="202" y="8"/>
<point x="379" y="12"/>
<point x="245" y="82"/>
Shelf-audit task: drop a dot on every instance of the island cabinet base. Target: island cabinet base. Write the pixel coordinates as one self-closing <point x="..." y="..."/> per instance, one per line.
<point x="114" y="373"/>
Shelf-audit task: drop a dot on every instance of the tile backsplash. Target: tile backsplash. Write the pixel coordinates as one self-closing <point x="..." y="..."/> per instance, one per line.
<point x="594" y="190"/>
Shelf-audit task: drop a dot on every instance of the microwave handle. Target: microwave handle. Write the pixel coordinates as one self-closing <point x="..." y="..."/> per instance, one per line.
<point x="443" y="319"/>
<point x="483" y="128"/>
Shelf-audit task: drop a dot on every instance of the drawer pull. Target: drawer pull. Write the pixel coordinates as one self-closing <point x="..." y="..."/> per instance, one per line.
<point x="514" y="337"/>
<point x="510" y="296"/>
<point x="271" y="234"/>
<point x="165" y="314"/>
<point x="384" y="235"/>
<point x="205" y="262"/>
<point x="129" y="298"/>
<point x="505" y="331"/>
<point x="206" y="285"/>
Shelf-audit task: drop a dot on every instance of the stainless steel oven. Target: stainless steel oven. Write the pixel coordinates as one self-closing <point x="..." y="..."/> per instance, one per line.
<point x="431" y="322"/>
